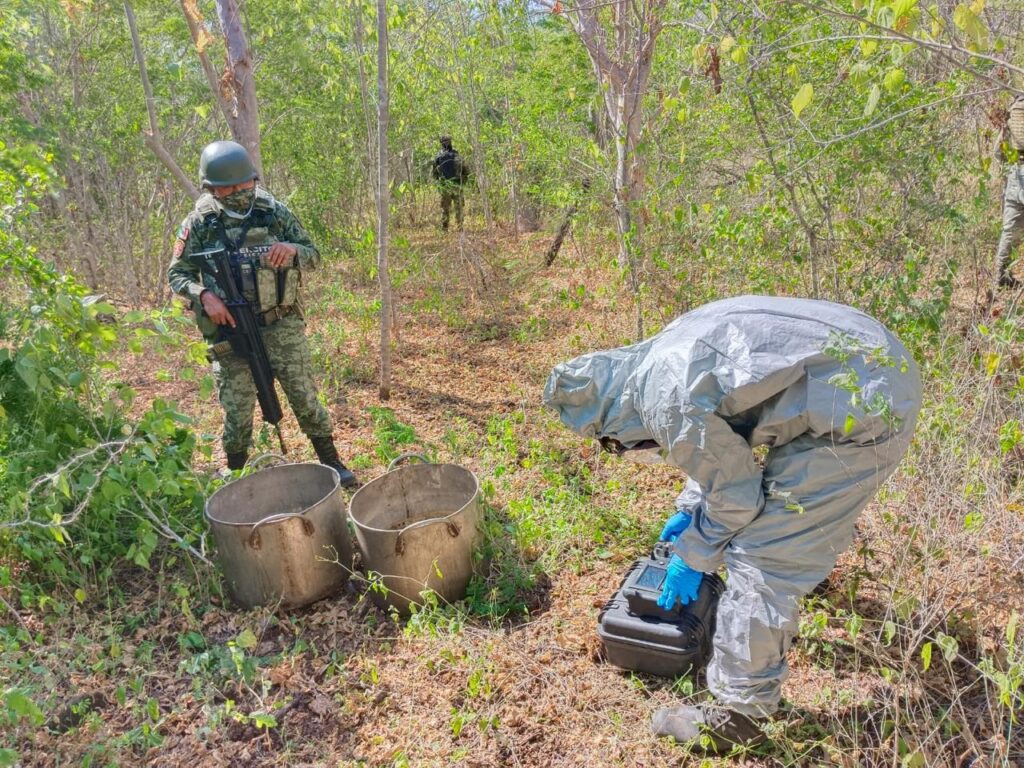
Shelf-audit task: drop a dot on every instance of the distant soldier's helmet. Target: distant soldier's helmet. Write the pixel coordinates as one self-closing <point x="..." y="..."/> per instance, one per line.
<point x="446" y="142"/>
<point x="225" y="163"/>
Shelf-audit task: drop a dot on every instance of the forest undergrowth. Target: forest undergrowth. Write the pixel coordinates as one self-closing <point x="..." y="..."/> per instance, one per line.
<point x="913" y="656"/>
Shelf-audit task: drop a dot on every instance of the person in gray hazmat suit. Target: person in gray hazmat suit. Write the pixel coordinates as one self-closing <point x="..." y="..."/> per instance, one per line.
<point x="834" y="396"/>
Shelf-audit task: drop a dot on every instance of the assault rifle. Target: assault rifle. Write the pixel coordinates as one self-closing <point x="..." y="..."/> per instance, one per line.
<point x="245" y="338"/>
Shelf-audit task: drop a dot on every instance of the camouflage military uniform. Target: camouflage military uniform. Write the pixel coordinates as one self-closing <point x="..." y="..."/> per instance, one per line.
<point x="451" y="173"/>
<point x="285" y="338"/>
<point x="1013" y="197"/>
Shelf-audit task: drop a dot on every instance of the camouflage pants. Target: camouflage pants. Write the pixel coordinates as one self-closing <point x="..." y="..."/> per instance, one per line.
<point x="289" y="356"/>
<point x="449" y="195"/>
<point x="1013" y="220"/>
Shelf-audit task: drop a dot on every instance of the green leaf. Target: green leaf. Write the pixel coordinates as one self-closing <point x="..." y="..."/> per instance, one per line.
<point x="111" y="490"/>
<point x="853" y="626"/>
<point x="80" y="595"/>
<point x="893" y="79"/>
<point x="950" y="647"/>
<point x="849" y="424"/>
<point x="206" y="387"/>
<point x="872" y="103"/>
<point x="888" y="632"/>
<point x="18" y="702"/>
<point x="27" y="371"/>
<point x="246" y="640"/>
<point x="926" y="656"/>
<point x="968" y="19"/>
<point x="903" y="7"/>
<point x="802" y="98"/>
<point x="263" y="720"/>
<point x="60" y="482"/>
<point x="860" y="73"/>
<point x="148" y="482"/>
<point x="8" y="757"/>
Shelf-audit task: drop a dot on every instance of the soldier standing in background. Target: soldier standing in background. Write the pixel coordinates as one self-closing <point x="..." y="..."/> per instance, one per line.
<point x="234" y="213"/>
<point x="451" y="174"/>
<point x="1013" y="198"/>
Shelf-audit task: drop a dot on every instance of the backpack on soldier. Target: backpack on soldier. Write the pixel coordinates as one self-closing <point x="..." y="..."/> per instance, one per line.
<point x="451" y="168"/>
<point x="1015" y="124"/>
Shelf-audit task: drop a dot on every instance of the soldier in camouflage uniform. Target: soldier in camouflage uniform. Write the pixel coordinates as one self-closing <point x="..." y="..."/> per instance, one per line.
<point x="1013" y="198"/>
<point x="451" y="173"/>
<point x="234" y="209"/>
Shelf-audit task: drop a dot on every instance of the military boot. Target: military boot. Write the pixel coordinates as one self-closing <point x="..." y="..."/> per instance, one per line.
<point x="328" y="456"/>
<point x="237" y="459"/>
<point x="726" y="727"/>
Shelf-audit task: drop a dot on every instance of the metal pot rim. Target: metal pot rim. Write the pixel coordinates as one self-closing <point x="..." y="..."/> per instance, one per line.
<point x="235" y="524"/>
<point x="421" y="523"/>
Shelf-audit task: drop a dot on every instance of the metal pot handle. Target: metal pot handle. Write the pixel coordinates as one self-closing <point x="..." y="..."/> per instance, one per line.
<point x="454" y="529"/>
<point x="399" y="459"/>
<point x="265" y="457"/>
<point x="254" y="535"/>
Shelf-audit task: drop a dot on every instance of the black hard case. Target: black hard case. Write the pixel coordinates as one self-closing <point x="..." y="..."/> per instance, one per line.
<point x="640" y="636"/>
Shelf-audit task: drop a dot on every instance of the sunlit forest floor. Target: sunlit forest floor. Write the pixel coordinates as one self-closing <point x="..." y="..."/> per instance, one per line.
<point x="163" y="671"/>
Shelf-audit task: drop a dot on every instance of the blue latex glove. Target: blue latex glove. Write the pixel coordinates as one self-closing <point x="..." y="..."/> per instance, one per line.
<point x="676" y="524"/>
<point x="681" y="582"/>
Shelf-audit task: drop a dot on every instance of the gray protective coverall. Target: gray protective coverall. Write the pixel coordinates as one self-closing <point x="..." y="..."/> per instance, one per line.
<point x="831" y="392"/>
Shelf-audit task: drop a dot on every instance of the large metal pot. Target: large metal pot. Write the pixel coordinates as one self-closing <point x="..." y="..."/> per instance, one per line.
<point x="416" y="527"/>
<point x="282" y="535"/>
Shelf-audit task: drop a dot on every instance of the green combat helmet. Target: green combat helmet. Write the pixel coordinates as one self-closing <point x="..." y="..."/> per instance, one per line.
<point x="224" y="164"/>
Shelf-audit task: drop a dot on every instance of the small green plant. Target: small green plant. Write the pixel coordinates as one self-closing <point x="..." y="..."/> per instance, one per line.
<point x="392" y="436"/>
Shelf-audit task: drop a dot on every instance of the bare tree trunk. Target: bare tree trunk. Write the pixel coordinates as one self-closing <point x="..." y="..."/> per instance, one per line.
<point x="622" y="74"/>
<point x="364" y="93"/>
<point x="153" y="138"/>
<point x="563" y="228"/>
<point x="479" y="151"/>
<point x="238" y="76"/>
<point x="202" y="40"/>
<point x="383" y="200"/>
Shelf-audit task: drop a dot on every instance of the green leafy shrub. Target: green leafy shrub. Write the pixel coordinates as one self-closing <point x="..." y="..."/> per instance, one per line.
<point x="85" y="484"/>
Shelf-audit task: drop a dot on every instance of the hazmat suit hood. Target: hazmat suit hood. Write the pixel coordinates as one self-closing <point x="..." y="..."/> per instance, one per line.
<point x="594" y="394"/>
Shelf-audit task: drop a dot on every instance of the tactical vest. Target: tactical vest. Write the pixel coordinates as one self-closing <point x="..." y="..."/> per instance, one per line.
<point x="1015" y="124"/>
<point x="273" y="293"/>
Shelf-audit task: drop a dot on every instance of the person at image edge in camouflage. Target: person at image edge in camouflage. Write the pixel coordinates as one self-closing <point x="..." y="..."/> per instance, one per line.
<point x="1013" y="197"/>
<point x="233" y="208"/>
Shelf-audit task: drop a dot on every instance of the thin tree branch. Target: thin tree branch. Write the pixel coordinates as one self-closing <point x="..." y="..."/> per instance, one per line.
<point x="193" y="18"/>
<point x="153" y="138"/>
<point x="945" y="50"/>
